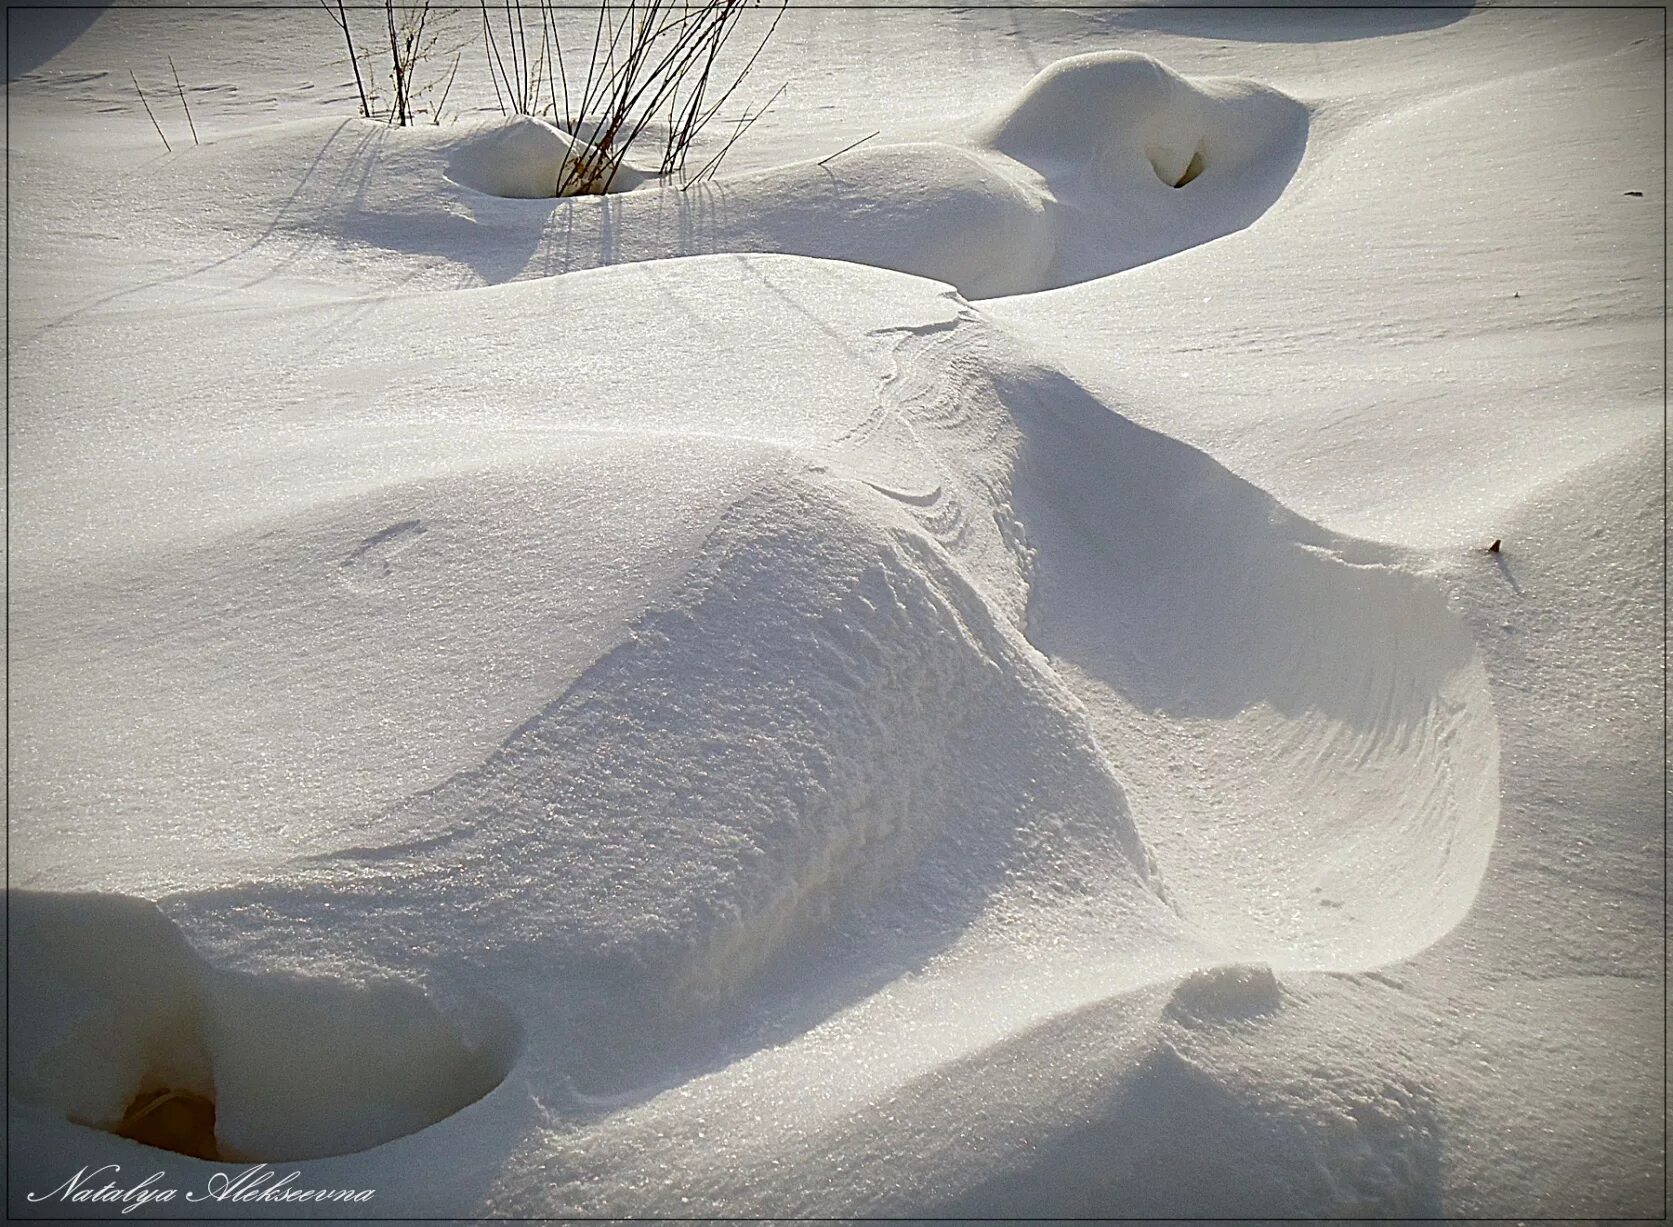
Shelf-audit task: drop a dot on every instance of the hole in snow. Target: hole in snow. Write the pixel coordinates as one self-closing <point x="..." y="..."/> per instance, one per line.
<point x="170" y="1119"/>
<point x="121" y="1026"/>
<point x="1173" y="167"/>
<point x="1193" y="168"/>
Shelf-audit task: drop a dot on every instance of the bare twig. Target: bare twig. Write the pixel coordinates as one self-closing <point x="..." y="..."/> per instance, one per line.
<point x="531" y="91"/>
<point x="846" y="148"/>
<point x="557" y="54"/>
<point x="493" y="52"/>
<point x="651" y="66"/>
<point x="448" y="89"/>
<point x="183" y="105"/>
<point x="411" y="42"/>
<point x="397" y="68"/>
<point x="712" y="166"/>
<point x="342" y="20"/>
<point x="744" y="72"/>
<point x="516" y="82"/>
<point x="147" y="107"/>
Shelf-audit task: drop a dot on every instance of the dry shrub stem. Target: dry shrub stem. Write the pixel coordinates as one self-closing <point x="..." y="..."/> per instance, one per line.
<point x="181" y="91"/>
<point x="341" y="18"/>
<point x="650" y="61"/>
<point x="411" y="41"/>
<point x="147" y="107"/>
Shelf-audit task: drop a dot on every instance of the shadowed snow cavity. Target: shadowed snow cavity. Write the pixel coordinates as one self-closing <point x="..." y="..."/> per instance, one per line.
<point x="126" y="1029"/>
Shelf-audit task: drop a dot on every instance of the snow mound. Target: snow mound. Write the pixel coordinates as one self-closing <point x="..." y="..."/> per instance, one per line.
<point x="1140" y="162"/>
<point x="1073" y="179"/>
<point x="830" y="741"/>
<point x="115" y="1009"/>
<point x="1185" y="1133"/>
<point x="522" y="158"/>
<point x="1083" y="175"/>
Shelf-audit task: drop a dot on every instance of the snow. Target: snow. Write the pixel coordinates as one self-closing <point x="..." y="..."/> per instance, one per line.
<point x="297" y="1068"/>
<point x="521" y="158"/>
<point x="954" y="678"/>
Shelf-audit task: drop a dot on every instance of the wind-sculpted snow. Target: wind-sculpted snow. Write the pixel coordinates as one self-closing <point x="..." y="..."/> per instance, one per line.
<point x="1212" y="631"/>
<point x="540" y="708"/>
<point x="971" y="705"/>
<point x="1082" y="174"/>
<point x="1203" y="624"/>
<point x="1102" y="162"/>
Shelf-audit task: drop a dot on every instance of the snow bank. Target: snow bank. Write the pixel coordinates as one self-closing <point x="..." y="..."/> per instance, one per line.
<point x="1203" y="1122"/>
<point x="1074" y="179"/>
<point x="1139" y="162"/>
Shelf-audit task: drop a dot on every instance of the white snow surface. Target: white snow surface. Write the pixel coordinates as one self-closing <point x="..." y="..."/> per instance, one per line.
<point x="956" y="679"/>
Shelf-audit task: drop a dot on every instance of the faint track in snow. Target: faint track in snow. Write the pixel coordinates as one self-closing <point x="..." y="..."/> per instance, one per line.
<point x="373" y="559"/>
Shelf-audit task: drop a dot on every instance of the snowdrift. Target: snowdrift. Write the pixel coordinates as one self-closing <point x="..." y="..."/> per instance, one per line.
<point x="910" y="745"/>
<point x="1104" y="161"/>
<point x="757" y="735"/>
<point x="1210" y="627"/>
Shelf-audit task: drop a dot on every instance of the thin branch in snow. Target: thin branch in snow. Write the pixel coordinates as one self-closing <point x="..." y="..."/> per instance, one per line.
<point x="847" y="148"/>
<point x="147" y="107"/>
<point x="183" y="105"/>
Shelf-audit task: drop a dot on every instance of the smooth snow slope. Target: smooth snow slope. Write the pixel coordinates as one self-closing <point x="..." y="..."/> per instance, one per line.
<point x="759" y="735"/>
